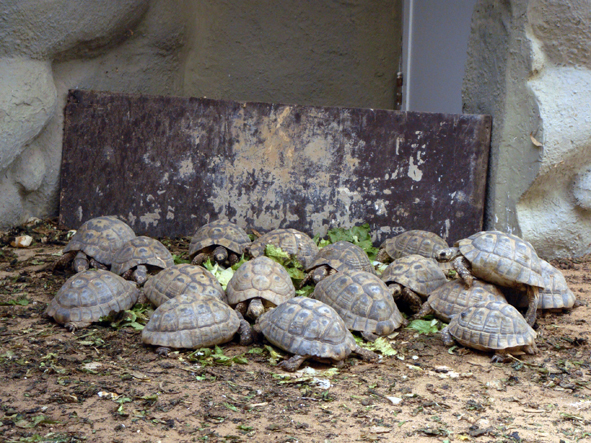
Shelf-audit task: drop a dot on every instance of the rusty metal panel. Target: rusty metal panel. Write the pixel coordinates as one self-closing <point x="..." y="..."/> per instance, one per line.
<point x="167" y="165"/>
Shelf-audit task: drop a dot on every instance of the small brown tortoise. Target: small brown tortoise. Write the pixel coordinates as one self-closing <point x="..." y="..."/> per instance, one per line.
<point x="89" y="295"/>
<point x="309" y="329"/>
<point x="95" y="243"/>
<point x="292" y="241"/>
<point x="495" y="326"/>
<point x="502" y="259"/>
<point x="425" y="243"/>
<point x="338" y="257"/>
<point x="139" y="257"/>
<point x="220" y="241"/>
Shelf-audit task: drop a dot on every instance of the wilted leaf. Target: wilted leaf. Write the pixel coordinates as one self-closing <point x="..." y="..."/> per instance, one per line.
<point x="425" y="326"/>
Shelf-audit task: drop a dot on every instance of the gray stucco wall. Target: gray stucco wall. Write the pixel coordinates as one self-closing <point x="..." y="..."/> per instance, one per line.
<point x="330" y="53"/>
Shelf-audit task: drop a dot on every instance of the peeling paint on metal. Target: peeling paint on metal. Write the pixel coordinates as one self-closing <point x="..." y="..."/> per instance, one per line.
<point x="151" y="218"/>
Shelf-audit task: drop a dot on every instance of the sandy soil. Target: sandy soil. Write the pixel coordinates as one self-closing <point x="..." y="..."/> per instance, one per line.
<point x="101" y="384"/>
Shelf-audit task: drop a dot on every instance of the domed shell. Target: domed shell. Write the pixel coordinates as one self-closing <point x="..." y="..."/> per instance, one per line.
<point x="556" y="294"/>
<point x="343" y="255"/>
<point x="100" y="238"/>
<point x="221" y="233"/>
<point x="453" y="297"/>
<point x="182" y="279"/>
<point x="492" y="326"/>
<point x="362" y="300"/>
<point x="263" y="278"/>
<point x="191" y="321"/>
<point x="291" y="241"/>
<point x="419" y="242"/>
<point x="503" y="259"/>
<point x="141" y="251"/>
<point x="418" y="273"/>
<point x="307" y="327"/>
<point x="89" y="295"/>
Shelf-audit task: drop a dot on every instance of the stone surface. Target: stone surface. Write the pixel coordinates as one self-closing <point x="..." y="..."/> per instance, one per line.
<point x="168" y="165"/>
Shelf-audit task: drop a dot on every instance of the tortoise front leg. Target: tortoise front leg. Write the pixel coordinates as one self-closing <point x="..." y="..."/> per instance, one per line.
<point x="200" y="258"/>
<point x="369" y="336"/>
<point x="412" y="299"/>
<point x="446" y="337"/>
<point x="98" y="265"/>
<point x="293" y="363"/>
<point x="245" y="331"/>
<point x="533" y="295"/>
<point x="63" y="261"/>
<point x="365" y="354"/>
<point x="80" y="263"/>
<point x="425" y="310"/>
<point x="462" y="267"/>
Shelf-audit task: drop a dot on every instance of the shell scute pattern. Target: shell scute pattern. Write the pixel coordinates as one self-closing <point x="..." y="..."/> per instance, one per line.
<point x="502" y="258"/>
<point x="183" y="278"/>
<point x="90" y="295"/>
<point x="142" y="251"/>
<point x="343" y="255"/>
<point x="222" y="233"/>
<point x="307" y="327"/>
<point x="190" y="321"/>
<point x="289" y="240"/>
<point x="491" y="325"/>
<point x="100" y="238"/>
<point x="261" y="277"/>
<point x="556" y="294"/>
<point x="416" y="272"/>
<point x="415" y="241"/>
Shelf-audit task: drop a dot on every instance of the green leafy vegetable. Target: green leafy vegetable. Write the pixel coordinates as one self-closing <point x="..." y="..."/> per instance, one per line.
<point x="425" y="326"/>
<point x="206" y="357"/>
<point x="291" y="264"/>
<point x="381" y="345"/>
<point x="223" y="276"/>
<point x="178" y="259"/>
<point x="358" y="235"/>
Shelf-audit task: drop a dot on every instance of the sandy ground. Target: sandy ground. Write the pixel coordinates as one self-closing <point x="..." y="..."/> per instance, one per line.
<point x="101" y="384"/>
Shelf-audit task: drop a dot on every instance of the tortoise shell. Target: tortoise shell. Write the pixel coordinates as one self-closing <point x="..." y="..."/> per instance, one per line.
<point x="453" y="297"/>
<point x="260" y="278"/>
<point x="424" y="243"/>
<point x="556" y="294"/>
<point x="191" y="321"/>
<point x="418" y="273"/>
<point x="307" y="327"/>
<point x="87" y="296"/>
<point x="492" y="326"/>
<point x="182" y="279"/>
<point x="291" y="241"/>
<point x="100" y="238"/>
<point x="219" y="233"/>
<point x="141" y="251"/>
<point x="362" y="300"/>
<point x="343" y="255"/>
<point x="502" y="259"/>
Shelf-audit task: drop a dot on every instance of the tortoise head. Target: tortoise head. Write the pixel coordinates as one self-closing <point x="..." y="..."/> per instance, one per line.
<point x="220" y="254"/>
<point x="447" y="255"/>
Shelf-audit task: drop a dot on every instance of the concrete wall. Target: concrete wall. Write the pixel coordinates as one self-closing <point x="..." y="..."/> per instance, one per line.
<point x="331" y="53"/>
<point x="529" y="66"/>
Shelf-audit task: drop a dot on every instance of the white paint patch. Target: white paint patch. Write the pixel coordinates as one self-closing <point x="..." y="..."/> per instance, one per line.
<point x="150" y="198"/>
<point x="170" y="213"/>
<point x="380" y="206"/>
<point x="151" y="218"/>
<point x="397" y="146"/>
<point x="79" y="213"/>
<point x="131" y="218"/>
<point x="186" y="168"/>
<point x="447" y="226"/>
<point x="413" y="171"/>
<point x="164" y="178"/>
<point x="387" y="192"/>
<point x="161" y="191"/>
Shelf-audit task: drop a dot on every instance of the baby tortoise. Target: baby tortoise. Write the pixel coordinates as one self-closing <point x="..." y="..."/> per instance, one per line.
<point x="220" y="241"/>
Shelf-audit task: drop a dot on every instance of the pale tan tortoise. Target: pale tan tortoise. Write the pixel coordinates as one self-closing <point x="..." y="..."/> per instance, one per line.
<point x="413" y="278"/>
<point x="89" y="295"/>
<point x="309" y="329"/>
<point x="139" y="257"/>
<point x="292" y="241"/>
<point x="363" y="301"/>
<point x="182" y="279"/>
<point x="555" y="297"/>
<point x="453" y="297"/>
<point x="501" y="259"/>
<point x="338" y="257"/>
<point x="194" y="321"/>
<point x="258" y="284"/>
<point x="95" y="243"/>
<point x="221" y="241"/>
<point x="491" y="326"/>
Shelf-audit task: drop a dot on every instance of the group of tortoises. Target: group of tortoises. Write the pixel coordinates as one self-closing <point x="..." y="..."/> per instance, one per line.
<point x="460" y="285"/>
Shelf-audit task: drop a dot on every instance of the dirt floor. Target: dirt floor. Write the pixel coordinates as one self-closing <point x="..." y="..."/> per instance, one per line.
<point x="101" y="384"/>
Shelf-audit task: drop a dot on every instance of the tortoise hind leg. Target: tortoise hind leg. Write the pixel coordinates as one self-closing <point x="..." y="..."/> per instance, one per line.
<point x="63" y="261"/>
<point x="293" y="363"/>
<point x="533" y="294"/>
<point x="365" y="354"/>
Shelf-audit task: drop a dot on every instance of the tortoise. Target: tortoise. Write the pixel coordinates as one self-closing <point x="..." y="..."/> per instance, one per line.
<point x="140" y="256"/>
<point x="555" y="297"/>
<point x="425" y="243"/>
<point x="89" y="295"/>
<point x="220" y="241"/>
<point x="413" y="277"/>
<point x="309" y="328"/>
<point x="338" y="257"/>
<point x="489" y="326"/>
<point x="257" y="284"/>
<point x="194" y="321"/>
<point x="95" y="243"/>
<point x="182" y="279"/>
<point x="453" y="297"/>
<point x="363" y="301"/>
<point x="292" y="241"/>
<point x="502" y="259"/>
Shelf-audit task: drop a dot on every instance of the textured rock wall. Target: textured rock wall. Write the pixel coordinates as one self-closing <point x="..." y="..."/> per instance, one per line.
<point x="330" y="53"/>
<point x="529" y="66"/>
